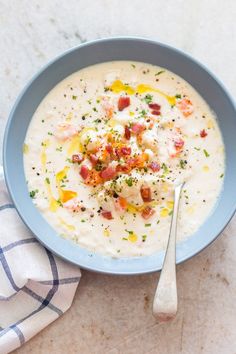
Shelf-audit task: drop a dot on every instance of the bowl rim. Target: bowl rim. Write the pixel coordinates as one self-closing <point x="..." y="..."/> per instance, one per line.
<point x="11" y="116"/>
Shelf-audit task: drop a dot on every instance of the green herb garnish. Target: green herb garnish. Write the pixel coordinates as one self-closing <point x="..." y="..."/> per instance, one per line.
<point x="59" y="202"/>
<point x="182" y="164"/>
<point x="129" y="181"/>
<point x="47" y="180"/>
<point x="143" y="113"/>
<point x="148" y="98"/>
<point x="32" y="194"/>
<point x="98" y="120"/>
<point x="165" y="168"/>
<point x="129" y="232"/>
<point x="160" y="72"/>
<point x="144" y="237"/>
<point x="206" y="153"/>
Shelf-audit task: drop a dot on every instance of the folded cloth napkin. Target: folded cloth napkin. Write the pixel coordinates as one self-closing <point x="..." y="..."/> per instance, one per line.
<point x="35" y="286"/>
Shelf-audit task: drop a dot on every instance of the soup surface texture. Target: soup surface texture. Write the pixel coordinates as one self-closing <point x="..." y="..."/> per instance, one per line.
<point x="105" y="149"/>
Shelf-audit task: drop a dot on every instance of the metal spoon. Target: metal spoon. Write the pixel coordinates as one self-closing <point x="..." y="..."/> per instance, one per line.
<point x="165" y="301"/>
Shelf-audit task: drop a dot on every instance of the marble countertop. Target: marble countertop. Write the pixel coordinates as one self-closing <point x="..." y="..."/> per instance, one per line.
<point x="112" y="314"/>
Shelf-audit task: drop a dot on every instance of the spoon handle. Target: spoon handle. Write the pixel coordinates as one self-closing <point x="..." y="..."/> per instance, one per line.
<point x="165" y="300"/>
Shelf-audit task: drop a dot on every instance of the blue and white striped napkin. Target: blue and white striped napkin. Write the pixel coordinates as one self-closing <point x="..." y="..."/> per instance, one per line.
<point x="35" y="286"/>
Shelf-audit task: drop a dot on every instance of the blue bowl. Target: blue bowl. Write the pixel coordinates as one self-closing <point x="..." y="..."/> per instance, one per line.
<point x="101" y="51"/>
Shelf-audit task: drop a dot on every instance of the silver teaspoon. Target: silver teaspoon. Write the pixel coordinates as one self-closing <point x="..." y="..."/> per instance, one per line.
<point x="165" y="301"/>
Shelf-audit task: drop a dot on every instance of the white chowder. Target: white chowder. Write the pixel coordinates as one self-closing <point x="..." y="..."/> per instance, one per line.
<point x="105" y="149"/>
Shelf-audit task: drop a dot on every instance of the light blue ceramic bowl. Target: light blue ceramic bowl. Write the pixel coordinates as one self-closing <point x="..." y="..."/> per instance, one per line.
<point x="96" y="52"/>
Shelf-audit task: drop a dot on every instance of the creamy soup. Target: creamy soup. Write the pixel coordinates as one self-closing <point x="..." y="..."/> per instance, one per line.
<point x="107" y="146"/>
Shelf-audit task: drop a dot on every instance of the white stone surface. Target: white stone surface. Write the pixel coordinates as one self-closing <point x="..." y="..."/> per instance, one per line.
<point x="112" y="315"/>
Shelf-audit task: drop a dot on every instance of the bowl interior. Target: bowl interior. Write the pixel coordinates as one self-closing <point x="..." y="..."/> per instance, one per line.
<point x="96" y="52"/>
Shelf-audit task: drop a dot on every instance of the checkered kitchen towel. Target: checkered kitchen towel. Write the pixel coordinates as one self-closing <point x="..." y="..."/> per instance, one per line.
<point x="35" y="286"/>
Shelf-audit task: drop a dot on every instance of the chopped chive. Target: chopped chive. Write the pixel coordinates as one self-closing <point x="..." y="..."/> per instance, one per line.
<point x="32" y="194"/>
<point x="206" y="153"/>
<point x="129" y="232"/>
<point x="129" y="181"/>
<point x="165" y="168"/>
<point x="148" y="98"/>
<point x="144" y="237"/>
<point x="160" y="72"/>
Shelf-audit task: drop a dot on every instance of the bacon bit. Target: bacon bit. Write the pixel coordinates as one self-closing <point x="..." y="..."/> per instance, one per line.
<point x="154" y="106"/>
<point x="156" y="113"/>
<point x="109" y="148"/>
<point x="179" y="144"/>
<point x="108" y="173"/>
<point x="126" y="150"/>
<point x="123" y="168"/>
<point x="77" y="158"/>
<point x="127" y="133"/>
<point x="84" y="172"/>
<point x="118" y="152"/>
<point x="203" y="133"/>
<point x="147" y="212"/>
<point x="123" y="102"/>
<point x="93" y="158"/>
<point x="155" y="167"/>
<point x="185" y="106"/>
<point x="137" y="128"/>
<point x="107" y="214"/>
<point x="146" y="194"/>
